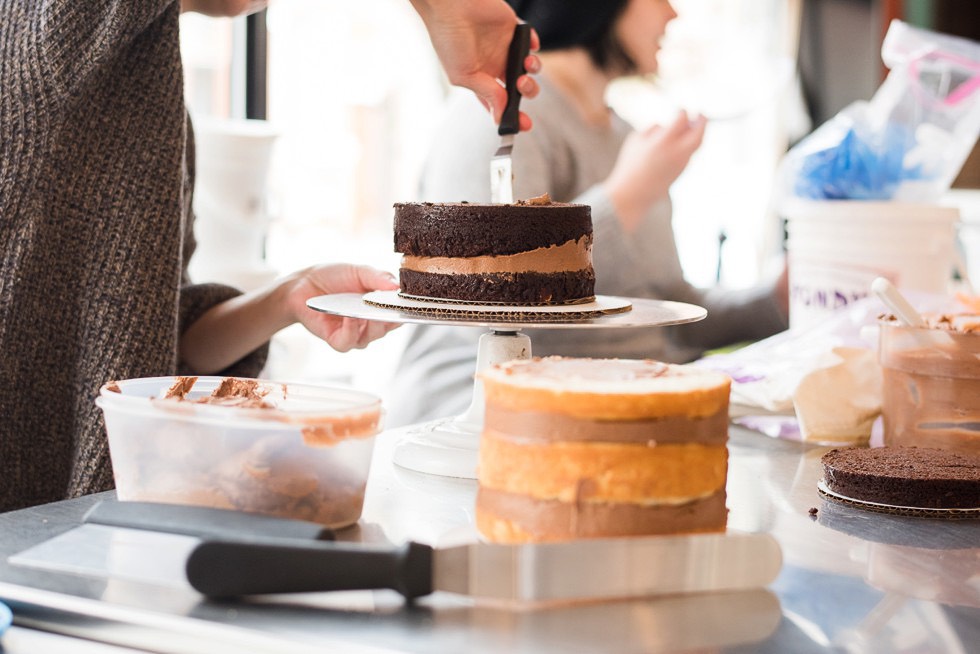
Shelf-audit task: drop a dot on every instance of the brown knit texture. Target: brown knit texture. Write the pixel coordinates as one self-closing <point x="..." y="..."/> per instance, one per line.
<point x="95" y="230"/>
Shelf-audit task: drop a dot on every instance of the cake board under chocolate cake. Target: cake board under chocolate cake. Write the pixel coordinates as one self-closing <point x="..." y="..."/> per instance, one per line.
<point x="904" y="478"/>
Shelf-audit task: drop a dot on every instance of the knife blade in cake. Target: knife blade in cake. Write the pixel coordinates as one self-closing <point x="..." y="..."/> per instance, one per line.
<point x="585" y="569"/>
<point x="501" y="170"/>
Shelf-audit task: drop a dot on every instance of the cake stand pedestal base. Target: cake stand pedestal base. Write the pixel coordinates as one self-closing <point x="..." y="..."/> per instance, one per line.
<point x="450" y="447"/>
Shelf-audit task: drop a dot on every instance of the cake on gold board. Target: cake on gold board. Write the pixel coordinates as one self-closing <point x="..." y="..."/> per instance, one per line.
<point x="593" y="448"/>
<point x="904" y="477"/>
<point x="528" y="253"/>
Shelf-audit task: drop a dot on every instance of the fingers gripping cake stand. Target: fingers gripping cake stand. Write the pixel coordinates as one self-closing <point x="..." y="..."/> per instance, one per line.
<point x="449" y="447"/>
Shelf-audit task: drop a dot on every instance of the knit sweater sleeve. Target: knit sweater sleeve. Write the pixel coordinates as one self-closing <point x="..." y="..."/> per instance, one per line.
<point x="76" y="38"/>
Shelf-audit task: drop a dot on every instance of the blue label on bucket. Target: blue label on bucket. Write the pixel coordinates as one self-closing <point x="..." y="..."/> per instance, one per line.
<point x="818" y="290"/>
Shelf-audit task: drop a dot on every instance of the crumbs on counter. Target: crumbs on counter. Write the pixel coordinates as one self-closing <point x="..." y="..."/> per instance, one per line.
<point x="812" y="511"/>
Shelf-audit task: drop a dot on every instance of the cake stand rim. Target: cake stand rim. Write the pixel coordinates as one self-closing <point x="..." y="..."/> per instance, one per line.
<point x="644" y="313"/>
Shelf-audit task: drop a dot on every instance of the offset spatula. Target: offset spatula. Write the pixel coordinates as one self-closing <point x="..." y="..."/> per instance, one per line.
<point x="501" y="170"/>
<point x="586" y="569"/>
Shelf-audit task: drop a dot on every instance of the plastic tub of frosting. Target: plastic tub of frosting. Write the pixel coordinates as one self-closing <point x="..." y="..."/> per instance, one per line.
<point x="932" y="383"/>
<point x="290" y="450"/>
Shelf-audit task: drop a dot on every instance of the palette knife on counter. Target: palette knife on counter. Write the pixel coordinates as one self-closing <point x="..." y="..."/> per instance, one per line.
<point x="501" y="170"/>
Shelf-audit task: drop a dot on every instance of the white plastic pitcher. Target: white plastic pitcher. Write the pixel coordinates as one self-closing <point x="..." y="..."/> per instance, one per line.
<point x="231" y="201"/>
<point x="837" y="247"/>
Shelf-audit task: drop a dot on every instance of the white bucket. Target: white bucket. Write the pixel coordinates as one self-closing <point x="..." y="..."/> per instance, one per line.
<point x="231" y="202"/>
<point x="968" y="202"/>
<point x="836" y="249"/>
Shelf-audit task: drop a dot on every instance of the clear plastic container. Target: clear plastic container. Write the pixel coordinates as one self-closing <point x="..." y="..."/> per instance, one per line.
<point x="304" y="455"/>
<point x="931" y="385"/>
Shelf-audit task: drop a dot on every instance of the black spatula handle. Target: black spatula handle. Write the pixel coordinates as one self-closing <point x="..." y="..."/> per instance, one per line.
<point x="232" y="569"/>
<point x="520" y="46"/>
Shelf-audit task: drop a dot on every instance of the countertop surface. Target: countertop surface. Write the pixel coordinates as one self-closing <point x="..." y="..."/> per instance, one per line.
<point x="851" y="581"/>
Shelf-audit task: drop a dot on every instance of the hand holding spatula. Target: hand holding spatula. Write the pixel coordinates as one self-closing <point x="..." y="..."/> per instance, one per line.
<point x="501" y="169"/>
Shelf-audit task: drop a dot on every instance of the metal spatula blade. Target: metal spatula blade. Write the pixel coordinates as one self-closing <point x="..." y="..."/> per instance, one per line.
<point x="501" y="170"/>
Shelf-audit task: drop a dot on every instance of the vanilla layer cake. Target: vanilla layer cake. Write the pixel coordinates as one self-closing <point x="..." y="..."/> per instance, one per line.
<point x="587" y="448"/>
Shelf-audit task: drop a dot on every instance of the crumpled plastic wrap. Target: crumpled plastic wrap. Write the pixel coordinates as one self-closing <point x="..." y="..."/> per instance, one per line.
<point x="820" y="384"/>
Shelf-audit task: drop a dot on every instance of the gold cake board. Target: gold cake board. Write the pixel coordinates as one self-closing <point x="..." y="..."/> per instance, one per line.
<point x="592" y="308"/>
<point x="971" y="513"/>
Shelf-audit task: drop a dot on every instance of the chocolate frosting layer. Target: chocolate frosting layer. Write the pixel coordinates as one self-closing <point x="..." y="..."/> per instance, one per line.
<point x="573" y="255"/>
<point x="551" y="427"/>
<point x="468" y="230"/>
<point x="543" y="520"/>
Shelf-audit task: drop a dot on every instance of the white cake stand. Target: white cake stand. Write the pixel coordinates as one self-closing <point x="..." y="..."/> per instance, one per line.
<point x="450" y="446"/>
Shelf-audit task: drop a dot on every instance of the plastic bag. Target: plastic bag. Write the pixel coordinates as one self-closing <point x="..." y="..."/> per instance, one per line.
<point x="910" y="140"/>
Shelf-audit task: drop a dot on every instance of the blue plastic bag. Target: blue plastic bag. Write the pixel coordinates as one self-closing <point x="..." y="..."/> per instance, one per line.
<point x="860" y="166"/>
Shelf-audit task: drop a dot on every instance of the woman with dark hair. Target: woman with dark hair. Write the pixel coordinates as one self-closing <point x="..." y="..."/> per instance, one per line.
<point x="581" y="151"/>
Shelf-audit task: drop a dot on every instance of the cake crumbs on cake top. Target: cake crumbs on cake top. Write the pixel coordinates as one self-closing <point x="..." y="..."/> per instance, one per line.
<point x="536" y="201"/>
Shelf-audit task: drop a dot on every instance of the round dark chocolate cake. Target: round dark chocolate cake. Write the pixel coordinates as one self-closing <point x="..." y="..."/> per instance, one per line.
<point x="904" y="476"/>
<point x="530" y="252"/>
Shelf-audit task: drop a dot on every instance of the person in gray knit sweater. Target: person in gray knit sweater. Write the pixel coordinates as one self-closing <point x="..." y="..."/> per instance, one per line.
<point x="96" y="177"/>
<point x="581" y="151"/>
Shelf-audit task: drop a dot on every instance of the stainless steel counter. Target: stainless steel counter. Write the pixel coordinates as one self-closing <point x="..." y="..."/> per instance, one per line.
<point x="851" y="581"/>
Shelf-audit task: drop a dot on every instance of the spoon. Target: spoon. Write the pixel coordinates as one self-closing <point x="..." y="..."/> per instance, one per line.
<point x="909" y="317"/>
<point x="895" y="301"/>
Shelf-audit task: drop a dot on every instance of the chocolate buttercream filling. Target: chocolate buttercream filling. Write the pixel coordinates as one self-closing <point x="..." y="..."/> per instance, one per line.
<point x="551" y="519"/>
<point x="551" y="427"/>
<point x="570" y="256"/>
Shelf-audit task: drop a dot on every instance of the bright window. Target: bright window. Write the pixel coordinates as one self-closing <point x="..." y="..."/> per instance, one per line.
<point x="733" y="61"/>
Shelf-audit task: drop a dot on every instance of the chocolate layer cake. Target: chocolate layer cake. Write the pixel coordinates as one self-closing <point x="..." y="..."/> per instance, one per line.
<point x="531" y="252"/>
<point x="590" y="448"/>
<point x="904" y="476"/>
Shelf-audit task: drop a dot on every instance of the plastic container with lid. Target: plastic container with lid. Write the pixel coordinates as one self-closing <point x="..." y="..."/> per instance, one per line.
<point x="932" y="383"/>
<point x="300" y="451"/>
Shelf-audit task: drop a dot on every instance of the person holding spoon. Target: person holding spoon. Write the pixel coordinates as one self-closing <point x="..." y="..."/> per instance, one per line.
<point x="582" y="151"/>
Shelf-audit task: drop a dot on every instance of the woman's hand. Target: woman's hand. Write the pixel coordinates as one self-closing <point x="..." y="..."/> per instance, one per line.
<point x="471" y="38"/>
<point x="341" y="333"/>
<point x="648" y="163"/>
<point x="230" y="330"/>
